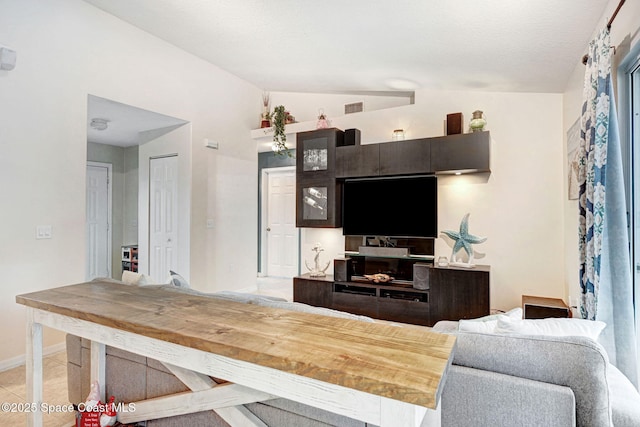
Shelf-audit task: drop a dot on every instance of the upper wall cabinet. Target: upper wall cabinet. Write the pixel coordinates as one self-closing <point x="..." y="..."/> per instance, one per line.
<point x="323" y="162"/>
<point x="405" y="157"/>
<point x="318" y="192"/>
<point x="354" y="161"/>
<point x="468" y="152"/>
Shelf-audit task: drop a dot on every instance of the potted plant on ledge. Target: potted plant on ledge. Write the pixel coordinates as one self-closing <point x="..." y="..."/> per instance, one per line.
<point x="278" y="120"/>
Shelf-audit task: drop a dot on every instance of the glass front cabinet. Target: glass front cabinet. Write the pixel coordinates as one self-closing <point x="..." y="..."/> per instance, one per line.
<point x="319" y="194"/>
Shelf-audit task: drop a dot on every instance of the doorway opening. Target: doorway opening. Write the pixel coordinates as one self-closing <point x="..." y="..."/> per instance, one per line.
<point x="280" y="248"/>
<point x="99" y="200"/>
<point x="115" y="134"/>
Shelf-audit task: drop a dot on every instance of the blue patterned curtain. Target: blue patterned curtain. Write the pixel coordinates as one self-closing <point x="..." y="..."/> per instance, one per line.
<point x="605" y="267"/>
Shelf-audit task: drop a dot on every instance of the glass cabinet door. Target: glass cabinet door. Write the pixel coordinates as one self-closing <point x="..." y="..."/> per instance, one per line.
<point x="314" y="203"/>
<point x="318" y="192"/>
<point x="315" y="154"/>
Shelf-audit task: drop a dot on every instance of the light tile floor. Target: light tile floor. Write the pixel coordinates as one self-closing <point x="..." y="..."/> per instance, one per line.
<point x="276" y="287"/>
<point x="13" y="391"/>
<point x="12" y="382"/>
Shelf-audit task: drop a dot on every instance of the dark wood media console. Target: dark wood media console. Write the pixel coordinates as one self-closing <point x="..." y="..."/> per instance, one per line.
<point x="453" y="294"/>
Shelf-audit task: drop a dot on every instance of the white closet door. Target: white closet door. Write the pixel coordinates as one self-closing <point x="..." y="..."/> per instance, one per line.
<point x="282" y="234"/>
<point x="163" y="217"/>
<point x="98" y="236"/>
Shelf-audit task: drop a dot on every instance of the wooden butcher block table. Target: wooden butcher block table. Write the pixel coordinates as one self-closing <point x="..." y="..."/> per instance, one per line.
<point x="379" y="373"/>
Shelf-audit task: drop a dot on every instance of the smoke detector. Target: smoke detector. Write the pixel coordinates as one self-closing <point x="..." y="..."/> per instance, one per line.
<point x="99" y="124"/>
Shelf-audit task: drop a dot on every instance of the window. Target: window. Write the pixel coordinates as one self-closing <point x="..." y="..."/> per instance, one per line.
<point x="629" y="114"/>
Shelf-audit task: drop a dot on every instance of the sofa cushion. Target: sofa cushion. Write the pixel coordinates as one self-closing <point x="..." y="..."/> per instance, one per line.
<point x="487" y="324"/>
<point x="625" y="399"/>
<point x="557" y="327"/>
<point x="575" y="362"/>
<point x="473" y="397"/>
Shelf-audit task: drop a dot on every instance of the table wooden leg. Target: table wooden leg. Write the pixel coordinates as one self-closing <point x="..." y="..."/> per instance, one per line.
<point x="397" y="413"/>
<point x="98" y="369"/>
<point x="34" y="370"/>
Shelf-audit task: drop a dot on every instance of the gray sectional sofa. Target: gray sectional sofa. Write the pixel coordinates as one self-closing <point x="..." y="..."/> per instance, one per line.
<point x="495" y="380"/>
<point x="527" y="380"/>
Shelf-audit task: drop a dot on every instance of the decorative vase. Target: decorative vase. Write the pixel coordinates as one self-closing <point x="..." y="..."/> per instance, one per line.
<point x="398" y="135"/>
<point x="478" y="122"/>
<point x="265" y="121"/>
<point x="323" y="122"/>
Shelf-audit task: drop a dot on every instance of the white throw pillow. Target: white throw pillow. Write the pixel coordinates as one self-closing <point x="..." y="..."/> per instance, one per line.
<point x="559" y="327"/>
<point x="131" y="278"/>
<point x="487" y="324"/>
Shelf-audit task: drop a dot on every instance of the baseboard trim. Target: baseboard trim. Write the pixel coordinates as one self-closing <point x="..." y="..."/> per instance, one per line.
<point x="14" y="362"/>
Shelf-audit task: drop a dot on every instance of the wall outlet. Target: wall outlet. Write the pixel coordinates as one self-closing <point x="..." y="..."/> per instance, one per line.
<point x="44" y="232"/>
<point x="574" y="301"/>
<point x="210" y="222"/>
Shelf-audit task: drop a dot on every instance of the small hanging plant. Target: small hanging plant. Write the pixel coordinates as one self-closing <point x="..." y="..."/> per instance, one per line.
<point x="278" y="119"/>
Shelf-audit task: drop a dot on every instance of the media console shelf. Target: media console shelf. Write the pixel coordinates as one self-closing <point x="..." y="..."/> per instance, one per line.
<point x="453" y="294"/>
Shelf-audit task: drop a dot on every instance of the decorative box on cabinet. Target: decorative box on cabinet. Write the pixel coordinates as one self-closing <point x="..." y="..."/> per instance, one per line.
<point x="318" y="192"/>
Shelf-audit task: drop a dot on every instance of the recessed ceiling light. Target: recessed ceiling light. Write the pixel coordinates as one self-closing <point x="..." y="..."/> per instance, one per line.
<point x="402" y="84"/>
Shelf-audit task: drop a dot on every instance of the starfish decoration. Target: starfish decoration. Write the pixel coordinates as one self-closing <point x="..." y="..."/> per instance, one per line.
<point x="463" y="240"/>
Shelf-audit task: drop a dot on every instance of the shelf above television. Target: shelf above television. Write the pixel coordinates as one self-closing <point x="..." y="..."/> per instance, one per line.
<point x="410" y="256"/>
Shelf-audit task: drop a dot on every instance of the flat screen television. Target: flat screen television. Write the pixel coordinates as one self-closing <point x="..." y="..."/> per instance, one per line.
<point x="396" y="206"/>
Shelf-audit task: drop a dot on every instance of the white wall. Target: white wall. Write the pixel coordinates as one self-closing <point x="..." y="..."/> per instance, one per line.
<point x="68" y="49"/>
<point x="625" y="32"/>
<point x="519" y="207"/>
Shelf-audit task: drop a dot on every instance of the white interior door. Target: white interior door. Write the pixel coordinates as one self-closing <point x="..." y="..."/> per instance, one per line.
<point x="98" y="232"/>
<point x="163" y="217"/>
<point x="281" y="232"/>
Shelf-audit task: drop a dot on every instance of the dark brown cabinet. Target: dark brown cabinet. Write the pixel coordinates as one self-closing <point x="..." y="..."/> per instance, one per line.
<point x="319" y="193"/>
<point x="313" y="291"/>
<point x="459" y="293"/>
<point x="355" y="161"/>
<point x="453" y="294"/>
<point x="316" y="153"/>
<point x="469" y="152"/>
<point x="405" y="157"/>
<point x="319" y="203"/>
<point x="323" y="162"/>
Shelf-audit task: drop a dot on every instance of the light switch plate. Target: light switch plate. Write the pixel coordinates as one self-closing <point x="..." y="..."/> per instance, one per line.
<point x="7" y="59"/>
<point x="44" y="232"/>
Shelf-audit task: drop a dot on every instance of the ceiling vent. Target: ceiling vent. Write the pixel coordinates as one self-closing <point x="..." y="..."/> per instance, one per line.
<point x="355" y="107"/>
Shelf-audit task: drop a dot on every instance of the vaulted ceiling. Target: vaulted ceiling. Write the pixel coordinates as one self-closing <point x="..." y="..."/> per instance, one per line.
<point x="373" y="46"/>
